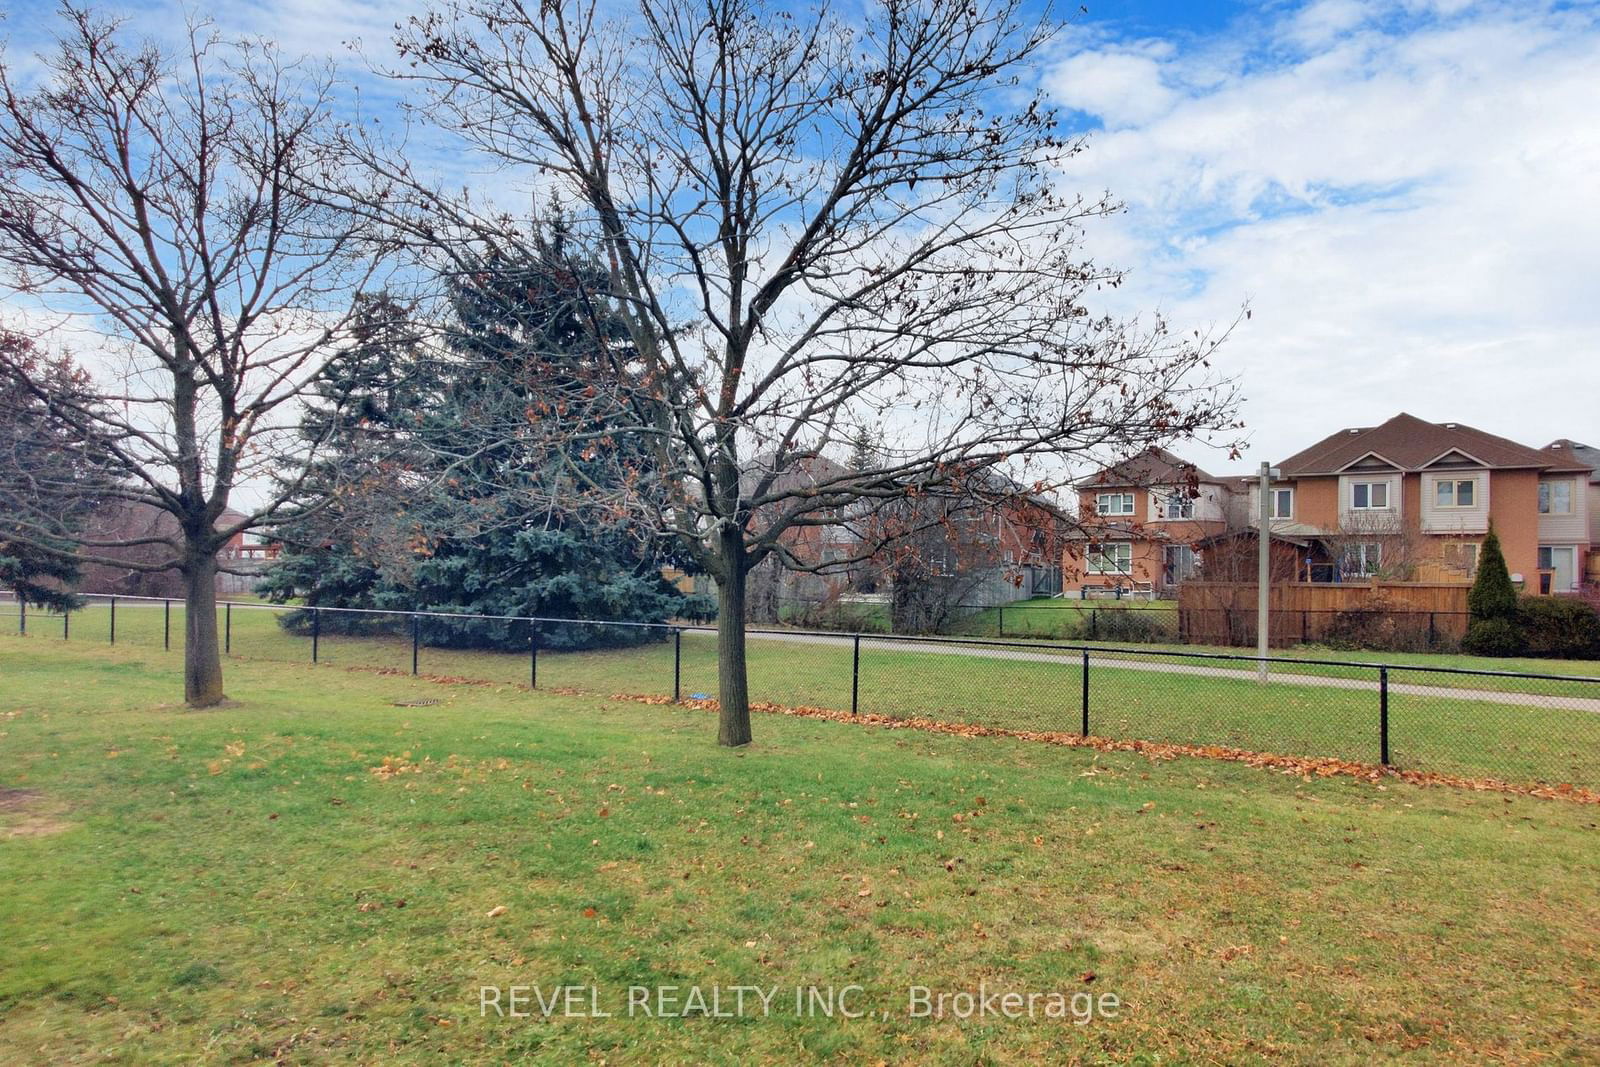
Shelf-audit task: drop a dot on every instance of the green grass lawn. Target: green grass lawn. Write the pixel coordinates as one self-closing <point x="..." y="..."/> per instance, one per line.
<point x="1511" y="741"/>
<point x="1069" y="618"/>
<point x="240" y="884"/>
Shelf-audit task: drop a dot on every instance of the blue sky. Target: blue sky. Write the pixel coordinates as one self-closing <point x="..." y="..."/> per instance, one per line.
<point x="1405" y="192"/>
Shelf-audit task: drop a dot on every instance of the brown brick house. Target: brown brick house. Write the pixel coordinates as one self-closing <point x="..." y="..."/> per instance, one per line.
<point x="242" y="559"/>
<point x="1411" y="500"/>
<point x="969" y="546"/>
<point x="1140" y="520"/>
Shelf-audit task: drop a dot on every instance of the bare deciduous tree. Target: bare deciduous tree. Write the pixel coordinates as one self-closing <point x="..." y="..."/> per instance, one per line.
<point x="160" y="201"/>
<point x="816" y="226"/>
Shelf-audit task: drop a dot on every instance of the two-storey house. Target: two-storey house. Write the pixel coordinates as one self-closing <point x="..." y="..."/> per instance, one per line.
<point x="1411" y="500"/>
<point x="1139" y="521"/>
<point x="1569" y="511"/>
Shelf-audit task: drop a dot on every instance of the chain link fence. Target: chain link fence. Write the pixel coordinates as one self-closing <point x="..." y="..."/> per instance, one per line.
<point x="1526" y="727"/>
<point x="1130" y="620"/>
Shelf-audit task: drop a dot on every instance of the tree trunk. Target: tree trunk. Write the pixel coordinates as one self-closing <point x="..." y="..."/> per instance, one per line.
<point x="733" y="683"/>
<point x="202" y="659"/>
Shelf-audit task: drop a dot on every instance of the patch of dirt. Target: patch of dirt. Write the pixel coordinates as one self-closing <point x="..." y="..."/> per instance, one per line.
<point x="14" y="799"/>
<point x="24" y="813"/>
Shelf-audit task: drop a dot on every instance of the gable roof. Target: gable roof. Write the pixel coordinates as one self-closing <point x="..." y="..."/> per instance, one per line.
<point x="1154" y="466"/>
<point x="1412" y="444"/>
<point x="1575" y="457"/>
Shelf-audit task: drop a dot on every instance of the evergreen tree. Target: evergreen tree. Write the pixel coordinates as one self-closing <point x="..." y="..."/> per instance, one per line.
<point x="1496" y="625"/>
<point x="440" y="508"/>
<point x="40" y="453"/>
<point x="866" y="447"/>
<point x="1492" y="595"/>
<point x="353" y="525"/>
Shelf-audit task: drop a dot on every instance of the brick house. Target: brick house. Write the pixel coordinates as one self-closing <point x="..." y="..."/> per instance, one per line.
<point x="1411" y="500"/>
<point x="1584" y="495"/>
<point x="1140" y="520"/>
<point x="974" y="547"/>
<point x="243" y="557"/>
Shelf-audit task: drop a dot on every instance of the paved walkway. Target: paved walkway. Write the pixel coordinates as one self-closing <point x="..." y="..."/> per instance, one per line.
<point x="1160" y="665"/>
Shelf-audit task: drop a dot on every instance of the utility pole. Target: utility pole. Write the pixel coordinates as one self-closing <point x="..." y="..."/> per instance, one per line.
<point x="1264" y="565"/>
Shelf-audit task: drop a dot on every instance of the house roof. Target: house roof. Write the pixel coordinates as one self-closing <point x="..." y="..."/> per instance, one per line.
<point x="1282" y="536"/>
<point x="1575" y="456"/>
<point x="1410" y="444"/>
<point x="1154" y="466"/>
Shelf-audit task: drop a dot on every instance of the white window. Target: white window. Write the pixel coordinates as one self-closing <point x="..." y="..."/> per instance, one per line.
<point x="1281" y="501"/>
<point x="1363" y="559"/>
<point x="1461" y="556"/>
<point x="1455" y="492"/>
<point x="1112" y="557"/>
<point x="1555" y="498"/>
<point x="1178" y="506"/>
<point x="1369" y="496"/>
<point x="1114" y="504"/>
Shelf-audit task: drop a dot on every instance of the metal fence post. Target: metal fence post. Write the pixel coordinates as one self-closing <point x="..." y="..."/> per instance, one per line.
<point x="22" y="616"/>
<point x="1383" y="714"/>
<point x="166" y="625"/>
<point x="855" y="678"/>
<point x="1085" y="692"/>
<point x="1002" y="621"/>
<point x="113" y="620"/>
<point x="416" y="639"/>
<point x="533" y="658"/>
<point x="1094" y="623"/>
<point x="677" y="664"/>
<point x="227" y="628"/>
<point x="66" y="623"/>
<point x="316" y="632"/>
<point x="1433" y="636"/>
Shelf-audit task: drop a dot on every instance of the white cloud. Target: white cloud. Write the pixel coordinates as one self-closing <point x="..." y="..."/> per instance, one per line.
<point x="1121" y="87"/>
<point x="1406" y="198"/>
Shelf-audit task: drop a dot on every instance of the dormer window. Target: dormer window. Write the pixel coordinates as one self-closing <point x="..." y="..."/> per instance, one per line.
<point x="1281" y="502"/>
<point x="1178" y="506"/>
<point x="1114" y="504"/>
<point x="1369" y="496"/>
<point x="1455" y="492"/>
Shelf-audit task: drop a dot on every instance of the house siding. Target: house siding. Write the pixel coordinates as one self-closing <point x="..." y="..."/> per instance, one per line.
<point x="1209" y="506"/>
<point x="1387" y="518"/>
<point x="1457" y="520"/>
<point x="1572" y="528"/>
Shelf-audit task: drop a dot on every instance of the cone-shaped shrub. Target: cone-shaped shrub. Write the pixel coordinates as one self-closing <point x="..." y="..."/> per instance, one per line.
<point x="1492" y="595"/>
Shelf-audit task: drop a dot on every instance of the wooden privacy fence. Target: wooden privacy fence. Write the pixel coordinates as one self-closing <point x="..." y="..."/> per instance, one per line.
<point x="1428" y="614"/>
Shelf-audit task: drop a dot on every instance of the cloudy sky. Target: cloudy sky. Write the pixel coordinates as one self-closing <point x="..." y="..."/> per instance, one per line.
<point x="1406" y="195"/>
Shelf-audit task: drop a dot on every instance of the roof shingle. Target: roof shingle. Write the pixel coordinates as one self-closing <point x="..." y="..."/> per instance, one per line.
<point x="1154" y="466"/>
<point x="1411" y="444"/>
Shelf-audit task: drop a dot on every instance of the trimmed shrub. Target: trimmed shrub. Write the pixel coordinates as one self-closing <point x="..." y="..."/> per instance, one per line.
<point x="1493" y="637"/>
<point x="1492" y="595"/>
<point x="1129" y="625"/>
<point x="1560" y="628"/>
<point x="1378" y="630"/>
